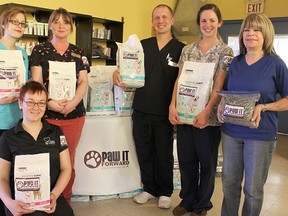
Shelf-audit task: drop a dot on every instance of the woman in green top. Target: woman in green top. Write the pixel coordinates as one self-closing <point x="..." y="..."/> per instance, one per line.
<point x="12" y="26"/>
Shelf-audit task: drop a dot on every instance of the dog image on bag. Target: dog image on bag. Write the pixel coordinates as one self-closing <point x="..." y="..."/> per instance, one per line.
<point x="37" y="194"/>
<point x="193" y="102"/>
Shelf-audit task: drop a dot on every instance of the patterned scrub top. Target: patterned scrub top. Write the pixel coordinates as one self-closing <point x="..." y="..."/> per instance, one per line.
<point x="45" y="52"/>
<point x="220" y="54"/>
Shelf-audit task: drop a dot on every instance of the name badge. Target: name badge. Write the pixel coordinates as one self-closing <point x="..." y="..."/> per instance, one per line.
<point x="76" y="55"/>
<point x="170" y="62"/>
<point x="173" y="64"/>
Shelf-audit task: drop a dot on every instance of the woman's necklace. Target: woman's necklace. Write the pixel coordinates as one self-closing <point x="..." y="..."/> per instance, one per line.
<point x="60" y="47"/>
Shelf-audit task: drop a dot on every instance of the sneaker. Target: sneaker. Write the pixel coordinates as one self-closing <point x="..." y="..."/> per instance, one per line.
<point x="203" y="213"/>
<point x="143" y="197"/>
<point x="179" y="211"/>
<point x="164" y="202"/>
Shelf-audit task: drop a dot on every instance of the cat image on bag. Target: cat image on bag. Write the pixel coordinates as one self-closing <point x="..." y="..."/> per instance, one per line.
<point x="66" y="90"/>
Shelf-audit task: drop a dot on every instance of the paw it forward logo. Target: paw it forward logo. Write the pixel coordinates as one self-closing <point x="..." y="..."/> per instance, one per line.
<point x="94" y="159"/>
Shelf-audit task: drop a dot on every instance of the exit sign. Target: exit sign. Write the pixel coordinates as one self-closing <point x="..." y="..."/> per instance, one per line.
<point x="254" y="6"/>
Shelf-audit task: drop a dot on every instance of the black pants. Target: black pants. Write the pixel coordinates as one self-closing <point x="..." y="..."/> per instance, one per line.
<point x="153" y="136"/>
<point x="2" y="131"/>
<point x="62" y="209"/>
<point x="197" y="154"/>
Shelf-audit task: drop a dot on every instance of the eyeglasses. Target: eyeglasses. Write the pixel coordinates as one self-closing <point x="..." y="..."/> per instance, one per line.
<point x="32" y="103"/>
<point x="17" y="23"/>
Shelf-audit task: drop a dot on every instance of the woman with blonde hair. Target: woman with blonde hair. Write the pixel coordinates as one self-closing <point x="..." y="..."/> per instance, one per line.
<point x="69" y="114"/>
<point x="247" y="152"/>
<point x="12" y="26"/>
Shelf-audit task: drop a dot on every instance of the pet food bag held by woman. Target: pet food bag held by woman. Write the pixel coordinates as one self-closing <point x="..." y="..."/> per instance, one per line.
<point x="247" y="151"/>
<point x="32" y="139"/>
<point x="65" y="106"/>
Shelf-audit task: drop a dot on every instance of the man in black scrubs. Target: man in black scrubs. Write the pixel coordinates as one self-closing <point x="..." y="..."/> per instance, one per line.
<point x="152" y="131"/>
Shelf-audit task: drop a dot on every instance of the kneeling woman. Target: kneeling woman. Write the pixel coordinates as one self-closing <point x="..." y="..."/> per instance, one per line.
<point x="28" y="137"/>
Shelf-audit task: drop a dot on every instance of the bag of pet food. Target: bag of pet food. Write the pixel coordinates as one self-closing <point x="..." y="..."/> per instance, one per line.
<point x="130" y="61"/>
<point x="100" y="94"/>
<point x="123" y="98"/>
<point x="12" y="72"/>
<point x="62" y="80"/>
<point x="238" y="106"/>
<point x="194" y="89"/>
<point x="32" y="180"/>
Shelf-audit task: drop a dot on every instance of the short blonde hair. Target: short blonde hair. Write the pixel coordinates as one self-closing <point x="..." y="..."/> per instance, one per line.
<point x="263" y="24"/>
<point x="163" y="5"/>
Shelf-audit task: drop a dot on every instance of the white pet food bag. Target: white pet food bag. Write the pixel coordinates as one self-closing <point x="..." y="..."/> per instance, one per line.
<point x="130" y="61"/>
<point x="100" y="95"/>
<point x="238" y="106"/>
<point x="32" y="180"/>
<point x="194" y="88"/>
<point x="123" y="100"/>
<point x="62" y="80"/>
<point x="12" y="72"/>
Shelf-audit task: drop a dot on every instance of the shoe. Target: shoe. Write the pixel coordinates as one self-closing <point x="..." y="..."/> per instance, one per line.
<point x="143" y="197"/>
<point x="164" y="202"/>
<point x="203" y="213"/>
<point x="179" y="211"/>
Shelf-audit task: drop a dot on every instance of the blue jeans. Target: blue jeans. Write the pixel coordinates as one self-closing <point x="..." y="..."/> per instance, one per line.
<point x="248" y="158"/>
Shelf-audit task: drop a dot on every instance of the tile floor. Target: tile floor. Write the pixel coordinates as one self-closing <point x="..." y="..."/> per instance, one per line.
<point x="275" y="202"/>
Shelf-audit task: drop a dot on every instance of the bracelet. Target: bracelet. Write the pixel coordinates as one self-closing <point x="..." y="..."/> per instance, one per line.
<point x="265" y="108"/>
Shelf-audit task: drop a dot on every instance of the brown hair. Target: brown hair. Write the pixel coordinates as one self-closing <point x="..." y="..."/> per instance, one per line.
<point x="263" y="24"/>
<point x="55" y="16"/>
<point x="212" y="7"/>
<point x="7" y="15"/>
<point x="32" y="87"/>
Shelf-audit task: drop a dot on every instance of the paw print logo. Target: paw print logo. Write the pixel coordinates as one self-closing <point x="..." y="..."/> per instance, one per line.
<point x="19" y="184"/>
<point x="92" y="159"/>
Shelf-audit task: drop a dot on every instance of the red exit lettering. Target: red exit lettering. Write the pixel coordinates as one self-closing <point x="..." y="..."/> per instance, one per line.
<point x="254" y="8"/>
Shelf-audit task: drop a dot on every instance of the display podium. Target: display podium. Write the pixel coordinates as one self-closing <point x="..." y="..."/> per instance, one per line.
<point x="106" y="161"/>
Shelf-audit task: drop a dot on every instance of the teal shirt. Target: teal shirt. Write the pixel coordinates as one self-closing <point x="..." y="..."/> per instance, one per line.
<point x="10" y="113"/>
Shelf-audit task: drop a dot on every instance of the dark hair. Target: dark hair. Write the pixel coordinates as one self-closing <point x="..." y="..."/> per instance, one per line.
<point x="55" y="16"/>
<point x="163" y="5"/>
<point x="7" y="15"/>
<point x="32" y="87"/>
<point x="209" y="7"/>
